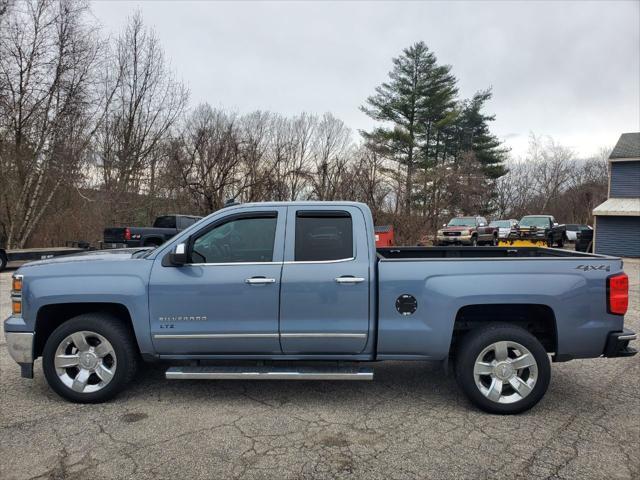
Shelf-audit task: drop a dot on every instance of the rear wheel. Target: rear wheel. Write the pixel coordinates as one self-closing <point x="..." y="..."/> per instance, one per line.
<point x="90" y="358"/>
<point x="495" y="241"/>
<point x="502" y="368"/>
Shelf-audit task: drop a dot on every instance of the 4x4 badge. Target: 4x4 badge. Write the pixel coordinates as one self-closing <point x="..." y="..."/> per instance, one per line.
<point x="587" y="268"/>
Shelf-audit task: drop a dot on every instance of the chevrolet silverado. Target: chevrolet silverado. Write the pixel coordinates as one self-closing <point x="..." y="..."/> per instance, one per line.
<point x="297" y="290"/>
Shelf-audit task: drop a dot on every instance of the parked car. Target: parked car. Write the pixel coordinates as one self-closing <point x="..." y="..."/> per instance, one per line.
<point x="542" y="228"/>
<point x="504" y="227"/>
<point x="302" y="282"/>
<point x="472" y="231"/>
<point x="163" y="229"/>
<point x="573" y="229"/>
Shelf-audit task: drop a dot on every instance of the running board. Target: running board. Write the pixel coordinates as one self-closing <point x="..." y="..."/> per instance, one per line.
<point x="269" y="373"/>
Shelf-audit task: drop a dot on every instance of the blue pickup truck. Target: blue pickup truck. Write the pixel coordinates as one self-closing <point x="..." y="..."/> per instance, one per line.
<point x="297" y="290"/>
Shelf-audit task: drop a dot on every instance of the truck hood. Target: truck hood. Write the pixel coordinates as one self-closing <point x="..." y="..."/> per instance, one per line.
<point x="90" y="256"/>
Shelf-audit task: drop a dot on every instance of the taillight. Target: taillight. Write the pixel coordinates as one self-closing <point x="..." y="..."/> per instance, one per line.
<point x="127" y="234"/>
<point x="618" y="294"/>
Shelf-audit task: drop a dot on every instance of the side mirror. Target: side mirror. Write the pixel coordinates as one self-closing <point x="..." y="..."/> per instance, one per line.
<point x="178" y="257"/>
<point x="481" y="224"/>
<point x="555" y="224"/>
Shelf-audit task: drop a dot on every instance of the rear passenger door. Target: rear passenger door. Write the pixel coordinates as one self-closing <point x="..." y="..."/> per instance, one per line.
<point x="324" y="298"/>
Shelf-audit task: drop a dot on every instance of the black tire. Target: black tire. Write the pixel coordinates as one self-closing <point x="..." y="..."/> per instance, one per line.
<point x="550" y="242"/>
<point x="3" y="261"/>
<point x="474" y="241"/>
<point x="124" y="345"/>
<point x="561" y="242"/>
<point x="494" y="243"/>
<point x="472" y="345"/>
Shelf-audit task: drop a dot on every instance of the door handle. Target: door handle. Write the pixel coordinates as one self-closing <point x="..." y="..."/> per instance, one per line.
<point x="259" y="280"/>
<point x="347" y="279"/>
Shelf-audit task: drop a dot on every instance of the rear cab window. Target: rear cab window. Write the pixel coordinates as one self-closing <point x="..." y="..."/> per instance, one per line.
<point x="323" y="236"/>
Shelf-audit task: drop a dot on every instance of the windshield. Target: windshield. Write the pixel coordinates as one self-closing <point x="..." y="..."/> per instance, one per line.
<point x="462" y="222"/>
<point x="540" y="222"/>
<point x="501" y="224"/>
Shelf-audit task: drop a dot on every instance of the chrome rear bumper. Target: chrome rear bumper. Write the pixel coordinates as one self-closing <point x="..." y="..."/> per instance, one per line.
<point x="618" y="344"/>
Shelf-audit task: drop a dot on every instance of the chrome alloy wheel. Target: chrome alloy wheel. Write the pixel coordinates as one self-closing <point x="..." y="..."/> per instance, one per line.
<point x="85" y="362"/>
<point x="505" y="372"/>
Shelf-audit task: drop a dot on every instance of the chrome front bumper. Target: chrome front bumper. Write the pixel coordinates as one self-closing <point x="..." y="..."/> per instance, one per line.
<point x="454" y="239"/>
<point x="20" y="345"/>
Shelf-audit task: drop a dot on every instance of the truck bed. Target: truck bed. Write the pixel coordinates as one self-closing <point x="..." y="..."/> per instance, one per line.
<point x="442" y="281"/>
<point x="425" y="253"/>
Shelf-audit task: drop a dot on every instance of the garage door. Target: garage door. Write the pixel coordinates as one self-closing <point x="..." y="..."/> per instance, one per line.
<point x="619" y="236"/>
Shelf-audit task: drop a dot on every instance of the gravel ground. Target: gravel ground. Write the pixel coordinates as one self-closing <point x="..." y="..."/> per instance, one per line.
<point x="411" y="422"/>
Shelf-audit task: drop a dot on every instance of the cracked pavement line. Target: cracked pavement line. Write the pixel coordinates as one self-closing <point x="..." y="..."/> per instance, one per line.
<point x="410" y="422"/>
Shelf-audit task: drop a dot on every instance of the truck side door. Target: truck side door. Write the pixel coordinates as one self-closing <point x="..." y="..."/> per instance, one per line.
<point x="324" y="296"/>
<point x="225" y="300"/>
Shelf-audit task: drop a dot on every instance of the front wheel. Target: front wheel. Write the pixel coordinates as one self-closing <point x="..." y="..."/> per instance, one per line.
<point x="502" y="368"/>
<point x="494" y="243"/>
<point x="474" y="241"/>
<point x="90" y="358"/>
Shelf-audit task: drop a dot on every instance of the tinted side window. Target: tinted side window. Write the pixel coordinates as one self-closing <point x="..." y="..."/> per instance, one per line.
<point x="323" y="236"/>
<point x="184" y="222"/>
<point x="240" y="240"/>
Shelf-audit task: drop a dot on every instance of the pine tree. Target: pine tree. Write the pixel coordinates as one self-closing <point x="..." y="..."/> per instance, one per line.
<point x="419" y="94"/>
<point x="475" y="136"/>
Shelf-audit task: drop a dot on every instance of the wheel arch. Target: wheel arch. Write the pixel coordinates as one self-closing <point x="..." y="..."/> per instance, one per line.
<point x="538" y="319"/>
<point x="50" y="317"/>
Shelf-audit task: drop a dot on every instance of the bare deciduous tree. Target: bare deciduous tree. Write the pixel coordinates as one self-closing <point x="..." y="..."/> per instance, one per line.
<point x="143" y="102"/>
<point x="48" y="51"/>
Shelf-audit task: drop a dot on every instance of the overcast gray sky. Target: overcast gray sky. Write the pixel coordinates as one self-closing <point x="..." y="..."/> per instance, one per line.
<point x="566" y="69"/>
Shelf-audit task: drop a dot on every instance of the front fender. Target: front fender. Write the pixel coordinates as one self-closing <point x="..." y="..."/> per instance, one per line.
<point x="108" y="283"/>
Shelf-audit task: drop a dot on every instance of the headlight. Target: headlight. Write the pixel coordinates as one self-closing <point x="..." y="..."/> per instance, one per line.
<point x="16" y="286"/>
<point x="440" y="232"/>
<point x="465" y="232"/>
<point x="16" y="307"/>
<point x="16" y="295"/>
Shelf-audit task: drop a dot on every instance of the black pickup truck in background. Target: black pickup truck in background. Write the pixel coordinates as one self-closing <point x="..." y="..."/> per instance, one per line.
<point x="163" y="229"/>
<point x="543" y="228"/>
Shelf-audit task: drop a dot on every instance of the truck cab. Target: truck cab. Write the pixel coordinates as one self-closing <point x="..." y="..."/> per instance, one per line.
<point x="318" y="258"/>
